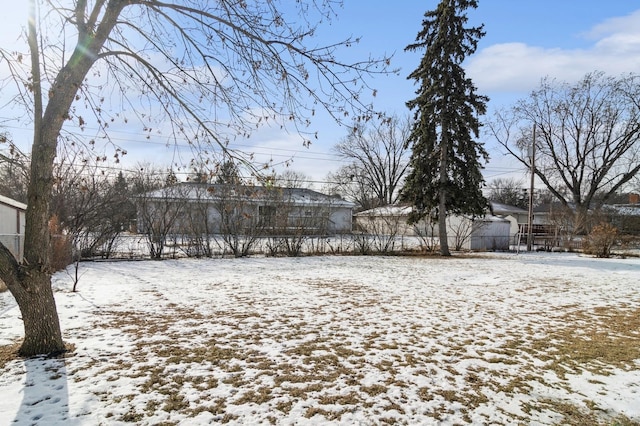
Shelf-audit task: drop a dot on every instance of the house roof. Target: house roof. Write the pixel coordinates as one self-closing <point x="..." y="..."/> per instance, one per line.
<point x="214" y="192"/>
<point x="398" y="211"/>
<point x="624" y="209"/>
<point x="554" y="207"/>
<point x="395" y="210"/>
<point x="506" y="209"/>
<point x="390" y="210"/>
<point x="12" y="203"/>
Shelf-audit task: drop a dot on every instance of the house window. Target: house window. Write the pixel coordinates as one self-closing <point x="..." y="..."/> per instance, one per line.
<point x="267" y="215"/>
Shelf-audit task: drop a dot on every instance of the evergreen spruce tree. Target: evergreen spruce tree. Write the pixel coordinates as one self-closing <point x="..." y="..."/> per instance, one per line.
<point x="445" y="175"/>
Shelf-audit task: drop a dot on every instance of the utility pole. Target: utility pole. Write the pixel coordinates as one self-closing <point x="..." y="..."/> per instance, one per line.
<point x="532" y="159"/>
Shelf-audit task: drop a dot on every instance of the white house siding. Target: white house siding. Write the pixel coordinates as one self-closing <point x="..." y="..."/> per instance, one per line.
<point x="485" y="233"/>
<point x="340" y="220"/>
<point x="12" y="221"/>
<point x="492" y="235"/>
<point x="386" y="219"/>
<point x="515" y="215"/>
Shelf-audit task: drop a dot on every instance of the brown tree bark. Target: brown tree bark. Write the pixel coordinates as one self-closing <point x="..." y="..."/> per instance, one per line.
<point x="442" y="205"/>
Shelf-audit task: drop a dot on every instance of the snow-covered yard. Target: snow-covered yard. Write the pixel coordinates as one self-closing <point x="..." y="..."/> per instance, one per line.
<point x="534" y="338"/>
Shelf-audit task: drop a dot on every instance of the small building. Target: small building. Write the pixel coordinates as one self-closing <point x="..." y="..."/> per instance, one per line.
<point x="516" y="216"/>
<point x="12" y="223"/>
<point x="464" y="233"/>
<point x="274" y="210"/>
<point x="388" y="220"/>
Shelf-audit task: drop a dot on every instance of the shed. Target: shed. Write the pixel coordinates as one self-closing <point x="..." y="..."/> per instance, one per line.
<point x="481" y="233"/>
<point x="12" y="222"/>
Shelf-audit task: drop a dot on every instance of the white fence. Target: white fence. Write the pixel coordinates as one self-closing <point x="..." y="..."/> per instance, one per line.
<point x="15" y="244"/>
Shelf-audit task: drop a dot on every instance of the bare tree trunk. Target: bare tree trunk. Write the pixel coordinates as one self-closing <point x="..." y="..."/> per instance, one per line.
<point x="42" y="334"/>
<point x="442" y="206"/>
<point x="442" y="225"/>
<point x="30" y="282"/>
<point x="33" y="293"/>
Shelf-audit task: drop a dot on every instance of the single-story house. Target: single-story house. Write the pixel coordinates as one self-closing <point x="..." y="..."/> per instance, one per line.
<point x="12" y="223"/>
<point x="625" y="217"/>
<point x="273" y="210"/>
<point x="483" y="233"/>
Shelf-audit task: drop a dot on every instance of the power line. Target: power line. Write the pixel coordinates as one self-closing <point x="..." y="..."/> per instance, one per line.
<point x="310" y="155"/>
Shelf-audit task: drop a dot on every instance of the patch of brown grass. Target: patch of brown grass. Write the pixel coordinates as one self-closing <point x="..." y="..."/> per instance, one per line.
<point x="596" y="341"/>
<point x="573" y="415"/>
<point x="9" y="353"/>
<point x="329" y="415"/>
<point x="373" y="390"/>
<point x="261" y="395"/>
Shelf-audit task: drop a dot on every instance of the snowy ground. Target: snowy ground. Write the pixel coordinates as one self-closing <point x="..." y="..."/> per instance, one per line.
<point x="544" y="338"/>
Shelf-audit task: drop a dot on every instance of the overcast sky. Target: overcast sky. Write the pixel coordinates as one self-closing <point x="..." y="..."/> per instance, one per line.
<point x="525" y="41"/>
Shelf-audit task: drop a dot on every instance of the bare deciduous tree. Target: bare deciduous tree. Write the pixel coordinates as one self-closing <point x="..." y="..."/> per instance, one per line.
<point x="92" y="204"/>
<point x="378" y="158"/>
<point x="292" y="179"/>
<point x="199" y="70"/>
<point x="508" y="191"/>
<point x="425" y="230"/>
<point x="293" y="223"/>
<point x="345" y="183"/>
<point x="381" y="228"/>
<point x="587" y="137"/>
<point x="199" y="226"/>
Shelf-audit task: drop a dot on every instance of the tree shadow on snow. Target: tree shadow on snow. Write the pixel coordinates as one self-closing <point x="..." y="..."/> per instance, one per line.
<point x="45" y="398"/>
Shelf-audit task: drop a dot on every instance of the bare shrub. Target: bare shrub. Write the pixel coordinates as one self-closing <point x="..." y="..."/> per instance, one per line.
<point x="61" y="246"/>
<point x="600" y="240"/>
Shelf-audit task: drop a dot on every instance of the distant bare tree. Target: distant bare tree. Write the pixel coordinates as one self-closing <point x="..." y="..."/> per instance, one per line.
<point x="14" y="171"/>
<point x="242" y="221"/>
<point x="508" y="191"/>
<point x="292" y="224"/>
<point x="378" y="157"/>
<point x="199" y="225"/>
<point x="381" y="230"/>
<point x="92" y="203"/>
<point x="345" y="183"/>
<point x="587" y="137"/>
<point x="292" y="179"/>
<point x="462" y="228"/>
<point x="425" y="230"/>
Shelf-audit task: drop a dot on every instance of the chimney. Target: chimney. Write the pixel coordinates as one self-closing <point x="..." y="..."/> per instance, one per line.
<point x="634" y="198"/>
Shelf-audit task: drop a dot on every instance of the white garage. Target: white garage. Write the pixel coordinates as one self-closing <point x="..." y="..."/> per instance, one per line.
<point x="12" y="220"/>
